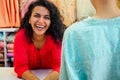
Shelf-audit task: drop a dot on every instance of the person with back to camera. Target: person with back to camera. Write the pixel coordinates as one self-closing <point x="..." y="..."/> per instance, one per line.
<point x="91" y="48"/>
<point x="37" y="43"/>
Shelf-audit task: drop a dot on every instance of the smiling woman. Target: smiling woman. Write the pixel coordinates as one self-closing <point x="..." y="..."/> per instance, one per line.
<point x="37" y="44"/>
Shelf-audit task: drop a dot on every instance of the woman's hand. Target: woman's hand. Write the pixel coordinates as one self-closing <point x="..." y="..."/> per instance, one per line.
<point x="52" y="76"/>
<point x="28" y="75"/>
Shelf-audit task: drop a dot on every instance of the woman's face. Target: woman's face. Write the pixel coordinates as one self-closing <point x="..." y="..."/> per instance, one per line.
<point x="40" y="20"/>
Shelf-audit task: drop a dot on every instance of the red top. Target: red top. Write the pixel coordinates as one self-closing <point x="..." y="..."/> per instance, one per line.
<point x="27" y="56"/>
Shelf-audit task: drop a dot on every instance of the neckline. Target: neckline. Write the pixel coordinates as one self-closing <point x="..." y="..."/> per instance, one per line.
<point x="43" y="44"/>
<point x="104" y="19"/>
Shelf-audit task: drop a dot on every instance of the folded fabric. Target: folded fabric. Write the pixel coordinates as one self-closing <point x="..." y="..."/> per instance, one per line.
<point x="10" y="54"/>
<point x="10" y="37"/>
<point x="119" y="3"/>
<point x="1" y="50"/>
<point x="9" y="13"/>
<point x="1" y="36"/>
<point x="12" y="59"/>
<point x="10" y="51"/>
<point x="1" y="44"/>
<point x="10" y="46"/>
<point x="24" y="4"/>
<point x="67" y="9"/>
<point x="1" y="56"/>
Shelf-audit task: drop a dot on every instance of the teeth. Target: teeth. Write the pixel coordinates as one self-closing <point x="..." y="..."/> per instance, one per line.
<point x="40" y="26"/>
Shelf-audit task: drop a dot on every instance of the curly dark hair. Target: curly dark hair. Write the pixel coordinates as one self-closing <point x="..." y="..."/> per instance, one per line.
<point x="56" y="28"/>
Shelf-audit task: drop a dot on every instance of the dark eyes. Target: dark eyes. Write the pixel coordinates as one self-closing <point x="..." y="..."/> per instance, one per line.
<point x="36" y="16"/>
<point x="45" y="17"/>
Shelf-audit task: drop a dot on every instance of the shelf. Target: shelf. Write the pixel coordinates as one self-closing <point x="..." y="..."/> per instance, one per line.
<point x="8" y="29"/>
<point x="5" y="31"/>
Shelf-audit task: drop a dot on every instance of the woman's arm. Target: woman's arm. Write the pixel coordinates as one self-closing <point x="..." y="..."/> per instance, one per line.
<point x="28" y="75"/>
<point x="21" y="62"/>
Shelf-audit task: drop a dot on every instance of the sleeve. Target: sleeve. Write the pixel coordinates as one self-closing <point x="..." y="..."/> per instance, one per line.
<point x="20" y="55"/>
<point x="56" y="55"/>
<point x="70" y="62"/>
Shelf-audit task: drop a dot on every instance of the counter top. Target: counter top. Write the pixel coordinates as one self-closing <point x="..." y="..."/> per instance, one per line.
<point x="7" y="73"/>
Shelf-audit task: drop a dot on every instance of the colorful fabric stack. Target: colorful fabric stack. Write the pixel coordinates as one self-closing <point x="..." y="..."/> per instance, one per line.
<point x="10" y="47"/>
<point x="1" y="50"/>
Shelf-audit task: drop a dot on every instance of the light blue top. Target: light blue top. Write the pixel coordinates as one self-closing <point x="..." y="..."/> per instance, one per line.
<point x="91" y="50"/>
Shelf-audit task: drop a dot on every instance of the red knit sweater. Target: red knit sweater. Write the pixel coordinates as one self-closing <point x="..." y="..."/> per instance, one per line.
<point x="27" y="56"/>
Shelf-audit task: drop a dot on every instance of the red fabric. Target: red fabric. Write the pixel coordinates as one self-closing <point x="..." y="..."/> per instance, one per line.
<point x="26" y="56"/>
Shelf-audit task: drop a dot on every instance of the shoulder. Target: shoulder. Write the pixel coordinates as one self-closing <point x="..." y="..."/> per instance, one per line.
<point x="20" y="35"/>
<point x="20" y="32"/>
<point x="80" y="26"/>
